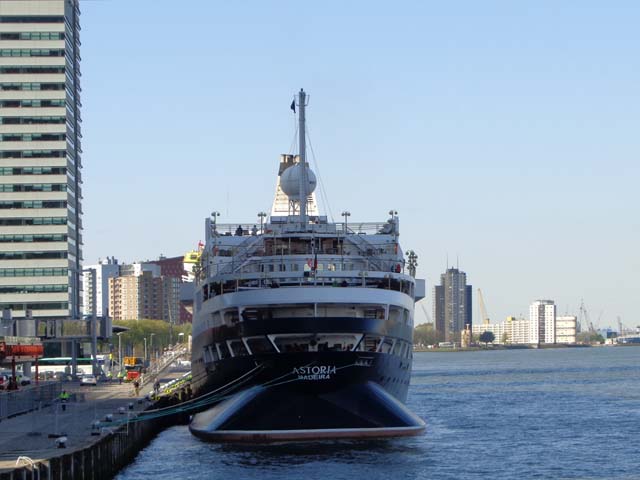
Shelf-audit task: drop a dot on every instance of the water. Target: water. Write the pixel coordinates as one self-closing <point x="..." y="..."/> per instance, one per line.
<point x="526" y="414"/>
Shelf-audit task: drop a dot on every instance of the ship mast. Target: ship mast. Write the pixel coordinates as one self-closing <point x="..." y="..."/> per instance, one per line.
<point x="304" y="182"/>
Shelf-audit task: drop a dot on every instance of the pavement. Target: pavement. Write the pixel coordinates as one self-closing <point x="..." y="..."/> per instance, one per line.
<point x="30" y="434"/>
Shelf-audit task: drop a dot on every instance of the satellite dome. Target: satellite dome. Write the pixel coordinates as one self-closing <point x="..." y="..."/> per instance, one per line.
<point x="290" y="181"/>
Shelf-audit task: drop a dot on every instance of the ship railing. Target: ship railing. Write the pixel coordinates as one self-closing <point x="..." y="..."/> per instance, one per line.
<point x="322" y="262"/>
<point x="357" y="228"/>
<point x="353" y="279"/>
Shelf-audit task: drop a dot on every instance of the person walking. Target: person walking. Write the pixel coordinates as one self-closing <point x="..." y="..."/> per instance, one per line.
<point x="136" y="387"/>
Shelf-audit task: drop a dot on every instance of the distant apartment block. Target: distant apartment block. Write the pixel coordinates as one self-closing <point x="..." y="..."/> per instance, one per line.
<point x="144" y="295"/>
<point x="566" y="329"/>
<point x="452" y="305"/>
<point x="512" y="331"/>
<point x="181" y="268"/>
<point x="536" y="329"/>
<point x="542" y="318"/>
<point x="40" y="158"/>
<point x="95" y="286"/>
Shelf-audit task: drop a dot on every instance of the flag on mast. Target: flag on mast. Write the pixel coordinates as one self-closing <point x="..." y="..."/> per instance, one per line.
<point x="293" y="106"/>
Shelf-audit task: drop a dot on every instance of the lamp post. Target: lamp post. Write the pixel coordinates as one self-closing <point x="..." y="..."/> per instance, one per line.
<point x="346" y="215"/>
<point x="151" y="347"/>
<point x="119" y="350"/>
<point x="145" y="349"/>
<point x="262" y="216"/>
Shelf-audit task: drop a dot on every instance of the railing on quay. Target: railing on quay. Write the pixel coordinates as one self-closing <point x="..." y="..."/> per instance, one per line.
<point x="33" y="398"/>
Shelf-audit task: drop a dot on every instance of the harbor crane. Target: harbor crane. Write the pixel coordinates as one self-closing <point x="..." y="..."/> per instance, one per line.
<point x="483" y="310"/>
<point x="585" y="320"/>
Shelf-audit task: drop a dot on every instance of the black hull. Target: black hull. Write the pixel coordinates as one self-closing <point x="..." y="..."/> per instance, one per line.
<point x="293" y="396"/>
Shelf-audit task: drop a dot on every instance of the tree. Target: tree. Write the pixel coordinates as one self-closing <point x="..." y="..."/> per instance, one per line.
<point x="505" y="338"/>
<point x="487" y="337"/>
<point x="425" y="334"/>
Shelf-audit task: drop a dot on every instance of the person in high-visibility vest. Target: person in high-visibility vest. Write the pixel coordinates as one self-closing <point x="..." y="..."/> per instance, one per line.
<point x="64" y="398"/>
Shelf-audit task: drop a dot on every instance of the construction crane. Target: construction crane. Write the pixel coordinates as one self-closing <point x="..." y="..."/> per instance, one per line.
<point x="584" y="315"/>
<point x="426" y="313"/>
<point x="483" y="310"/>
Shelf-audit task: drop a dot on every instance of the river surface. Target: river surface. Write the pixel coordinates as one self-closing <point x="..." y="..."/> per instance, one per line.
<point x="571" y="413"/>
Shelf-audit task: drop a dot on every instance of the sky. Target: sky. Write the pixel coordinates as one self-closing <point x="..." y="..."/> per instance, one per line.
<point x="506" y="134"/>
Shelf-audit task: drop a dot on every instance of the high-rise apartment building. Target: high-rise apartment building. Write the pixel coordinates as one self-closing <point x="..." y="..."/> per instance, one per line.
<point x="452" y="301"/>
<point x="144" y="295"/>
<point x="40" y="193"/>
<point x="542" y="322"/>
<point x="95" y="286"/>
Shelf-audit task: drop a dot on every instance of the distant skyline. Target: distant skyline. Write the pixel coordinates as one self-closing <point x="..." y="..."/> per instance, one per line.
<point x="503" y="133"/>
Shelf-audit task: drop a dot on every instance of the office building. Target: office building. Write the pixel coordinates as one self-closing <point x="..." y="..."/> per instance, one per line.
<point x="452" y="301"/>
<point x="40" y="158"/>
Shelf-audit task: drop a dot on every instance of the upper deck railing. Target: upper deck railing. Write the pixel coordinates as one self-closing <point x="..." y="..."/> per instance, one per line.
<point x="275" y="228"/>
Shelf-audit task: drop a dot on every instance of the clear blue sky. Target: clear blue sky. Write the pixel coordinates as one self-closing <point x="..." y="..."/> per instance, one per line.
<point x="506" y="133"/>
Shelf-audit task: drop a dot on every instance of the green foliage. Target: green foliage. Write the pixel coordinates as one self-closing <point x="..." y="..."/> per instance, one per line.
<point x="425" y="334"/>
<point x="133" y="339"/>
<point x="487" y="337"/>
<point x="589" y="337"/>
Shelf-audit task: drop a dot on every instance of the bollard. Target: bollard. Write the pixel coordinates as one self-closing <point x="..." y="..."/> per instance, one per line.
<point x="95" y="428"/>
<point x="121" y="410"/>
<point x="61" y="442"/>
<point x="108" y="417"/>
<point x="130" y="405"/>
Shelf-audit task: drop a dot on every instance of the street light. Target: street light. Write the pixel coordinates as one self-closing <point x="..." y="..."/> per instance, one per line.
<point x="262" y="216"/>
<point x="145" y="348"/>
<point x="346" y="215"/>
<point x="119" y="350"/>
<point x="151" y="347"/>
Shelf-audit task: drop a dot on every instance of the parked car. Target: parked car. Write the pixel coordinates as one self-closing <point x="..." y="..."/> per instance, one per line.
<point x="88" y="380"/>
<point x="24" y="380"/>
<point x="4" y="381"/>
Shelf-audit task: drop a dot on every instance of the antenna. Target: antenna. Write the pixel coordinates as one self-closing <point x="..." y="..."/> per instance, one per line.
<point x="303" y="158"/>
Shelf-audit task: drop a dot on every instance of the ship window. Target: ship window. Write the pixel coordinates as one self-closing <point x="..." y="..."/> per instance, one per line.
<point x="224" y="350"/>
<point x="406" y="315"/>
<point x="397" y="348"/>
<point x="395" y="313"/>
<point x="295" y="267"/>
<point x="386" y="346"/>
<point x="331" y="267"/>
<point x="259" y="345"/>
<point x="371" y="343"/>
<point x="231" y="316"/>
<point x="238" y="348"/>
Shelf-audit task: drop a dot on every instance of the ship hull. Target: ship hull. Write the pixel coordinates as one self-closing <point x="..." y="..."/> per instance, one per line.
<point x="308" y="395"/>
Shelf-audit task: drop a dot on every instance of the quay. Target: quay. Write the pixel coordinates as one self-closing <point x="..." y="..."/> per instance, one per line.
<point x="76" y="442"/>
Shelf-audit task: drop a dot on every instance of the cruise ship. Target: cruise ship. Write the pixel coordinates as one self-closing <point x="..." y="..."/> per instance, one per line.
<point x="302" y="327"/>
